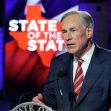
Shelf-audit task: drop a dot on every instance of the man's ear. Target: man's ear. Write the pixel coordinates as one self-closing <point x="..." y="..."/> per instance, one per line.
<point x="89" y="32"/>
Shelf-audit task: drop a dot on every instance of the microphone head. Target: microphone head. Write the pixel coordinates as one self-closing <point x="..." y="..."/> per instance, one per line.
<point x="62" y="71"/>
<point x="61" y="74"/>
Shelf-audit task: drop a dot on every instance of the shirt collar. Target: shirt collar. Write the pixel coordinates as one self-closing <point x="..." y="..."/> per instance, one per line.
<point x="88" y="55"/>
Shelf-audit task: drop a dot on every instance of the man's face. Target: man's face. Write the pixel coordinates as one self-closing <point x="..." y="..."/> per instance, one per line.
<point x="76" y="35"/>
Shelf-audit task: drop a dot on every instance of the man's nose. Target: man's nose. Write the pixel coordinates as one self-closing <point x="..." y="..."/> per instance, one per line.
<point x="68" y="37"/>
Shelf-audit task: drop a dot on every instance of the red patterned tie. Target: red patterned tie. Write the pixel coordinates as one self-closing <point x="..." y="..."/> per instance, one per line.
<point x="79" y="77"/>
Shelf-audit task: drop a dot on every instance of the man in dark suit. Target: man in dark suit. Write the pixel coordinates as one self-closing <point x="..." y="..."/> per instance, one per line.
<point x="80" y="79"/>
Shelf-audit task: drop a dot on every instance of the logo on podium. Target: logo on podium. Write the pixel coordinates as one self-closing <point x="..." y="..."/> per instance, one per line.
<point x="31" y="106"/>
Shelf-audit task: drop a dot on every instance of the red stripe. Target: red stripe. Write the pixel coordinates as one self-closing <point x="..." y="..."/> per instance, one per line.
<point x="78" y="73"/>
<point x="78" y="83"/>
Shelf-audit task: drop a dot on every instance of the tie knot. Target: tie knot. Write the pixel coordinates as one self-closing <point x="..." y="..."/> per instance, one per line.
<point x="80" y="61"/>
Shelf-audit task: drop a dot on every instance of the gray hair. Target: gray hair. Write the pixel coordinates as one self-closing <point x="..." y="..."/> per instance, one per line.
<point x="85" y="18"/>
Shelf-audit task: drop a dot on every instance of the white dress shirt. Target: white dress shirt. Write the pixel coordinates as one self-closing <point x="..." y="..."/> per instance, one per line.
<point x="86" y="61"/>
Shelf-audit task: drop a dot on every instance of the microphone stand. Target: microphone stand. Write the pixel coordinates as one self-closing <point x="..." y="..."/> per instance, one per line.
<point x="61" y="96"/>
<point x="72" y="99"/>
<point x="60" y="75"/>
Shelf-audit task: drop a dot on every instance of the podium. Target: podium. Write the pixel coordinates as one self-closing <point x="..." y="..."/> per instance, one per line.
<point x="31" y="106"/>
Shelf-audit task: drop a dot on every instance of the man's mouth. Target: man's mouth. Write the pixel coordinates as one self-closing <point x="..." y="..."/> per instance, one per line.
<point x="70" y="45"/>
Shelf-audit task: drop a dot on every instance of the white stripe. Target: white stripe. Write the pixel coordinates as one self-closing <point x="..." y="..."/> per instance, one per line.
<point x="34" y="2"/>
<point x="78" y="78"/>
<point x="78" y="87"/>
<point x="78" y="69"/>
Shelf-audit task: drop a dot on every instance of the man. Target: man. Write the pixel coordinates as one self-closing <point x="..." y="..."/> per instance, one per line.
<point x="80" y="79"/>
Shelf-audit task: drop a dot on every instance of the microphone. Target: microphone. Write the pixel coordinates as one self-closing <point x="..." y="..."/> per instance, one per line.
<point x="72" y="99"/>
<point x="59" y="75"/>
<point x="72" y="96"/>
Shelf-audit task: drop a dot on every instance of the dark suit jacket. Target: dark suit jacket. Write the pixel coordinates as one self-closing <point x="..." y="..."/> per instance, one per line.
<point x="95" y="93"/>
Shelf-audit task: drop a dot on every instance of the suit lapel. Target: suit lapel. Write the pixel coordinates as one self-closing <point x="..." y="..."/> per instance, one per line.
<point x="95" y="70"/>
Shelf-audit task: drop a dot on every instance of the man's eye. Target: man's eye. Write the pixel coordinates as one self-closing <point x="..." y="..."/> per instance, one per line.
<point x="73" y="30"/>
<point x="63" y="31"/>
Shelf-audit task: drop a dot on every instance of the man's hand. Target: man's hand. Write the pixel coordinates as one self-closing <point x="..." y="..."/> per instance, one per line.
<point x="38" y="98"/>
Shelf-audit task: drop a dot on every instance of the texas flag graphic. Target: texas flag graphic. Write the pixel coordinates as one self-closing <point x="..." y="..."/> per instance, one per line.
<point x="33" y="37"/>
